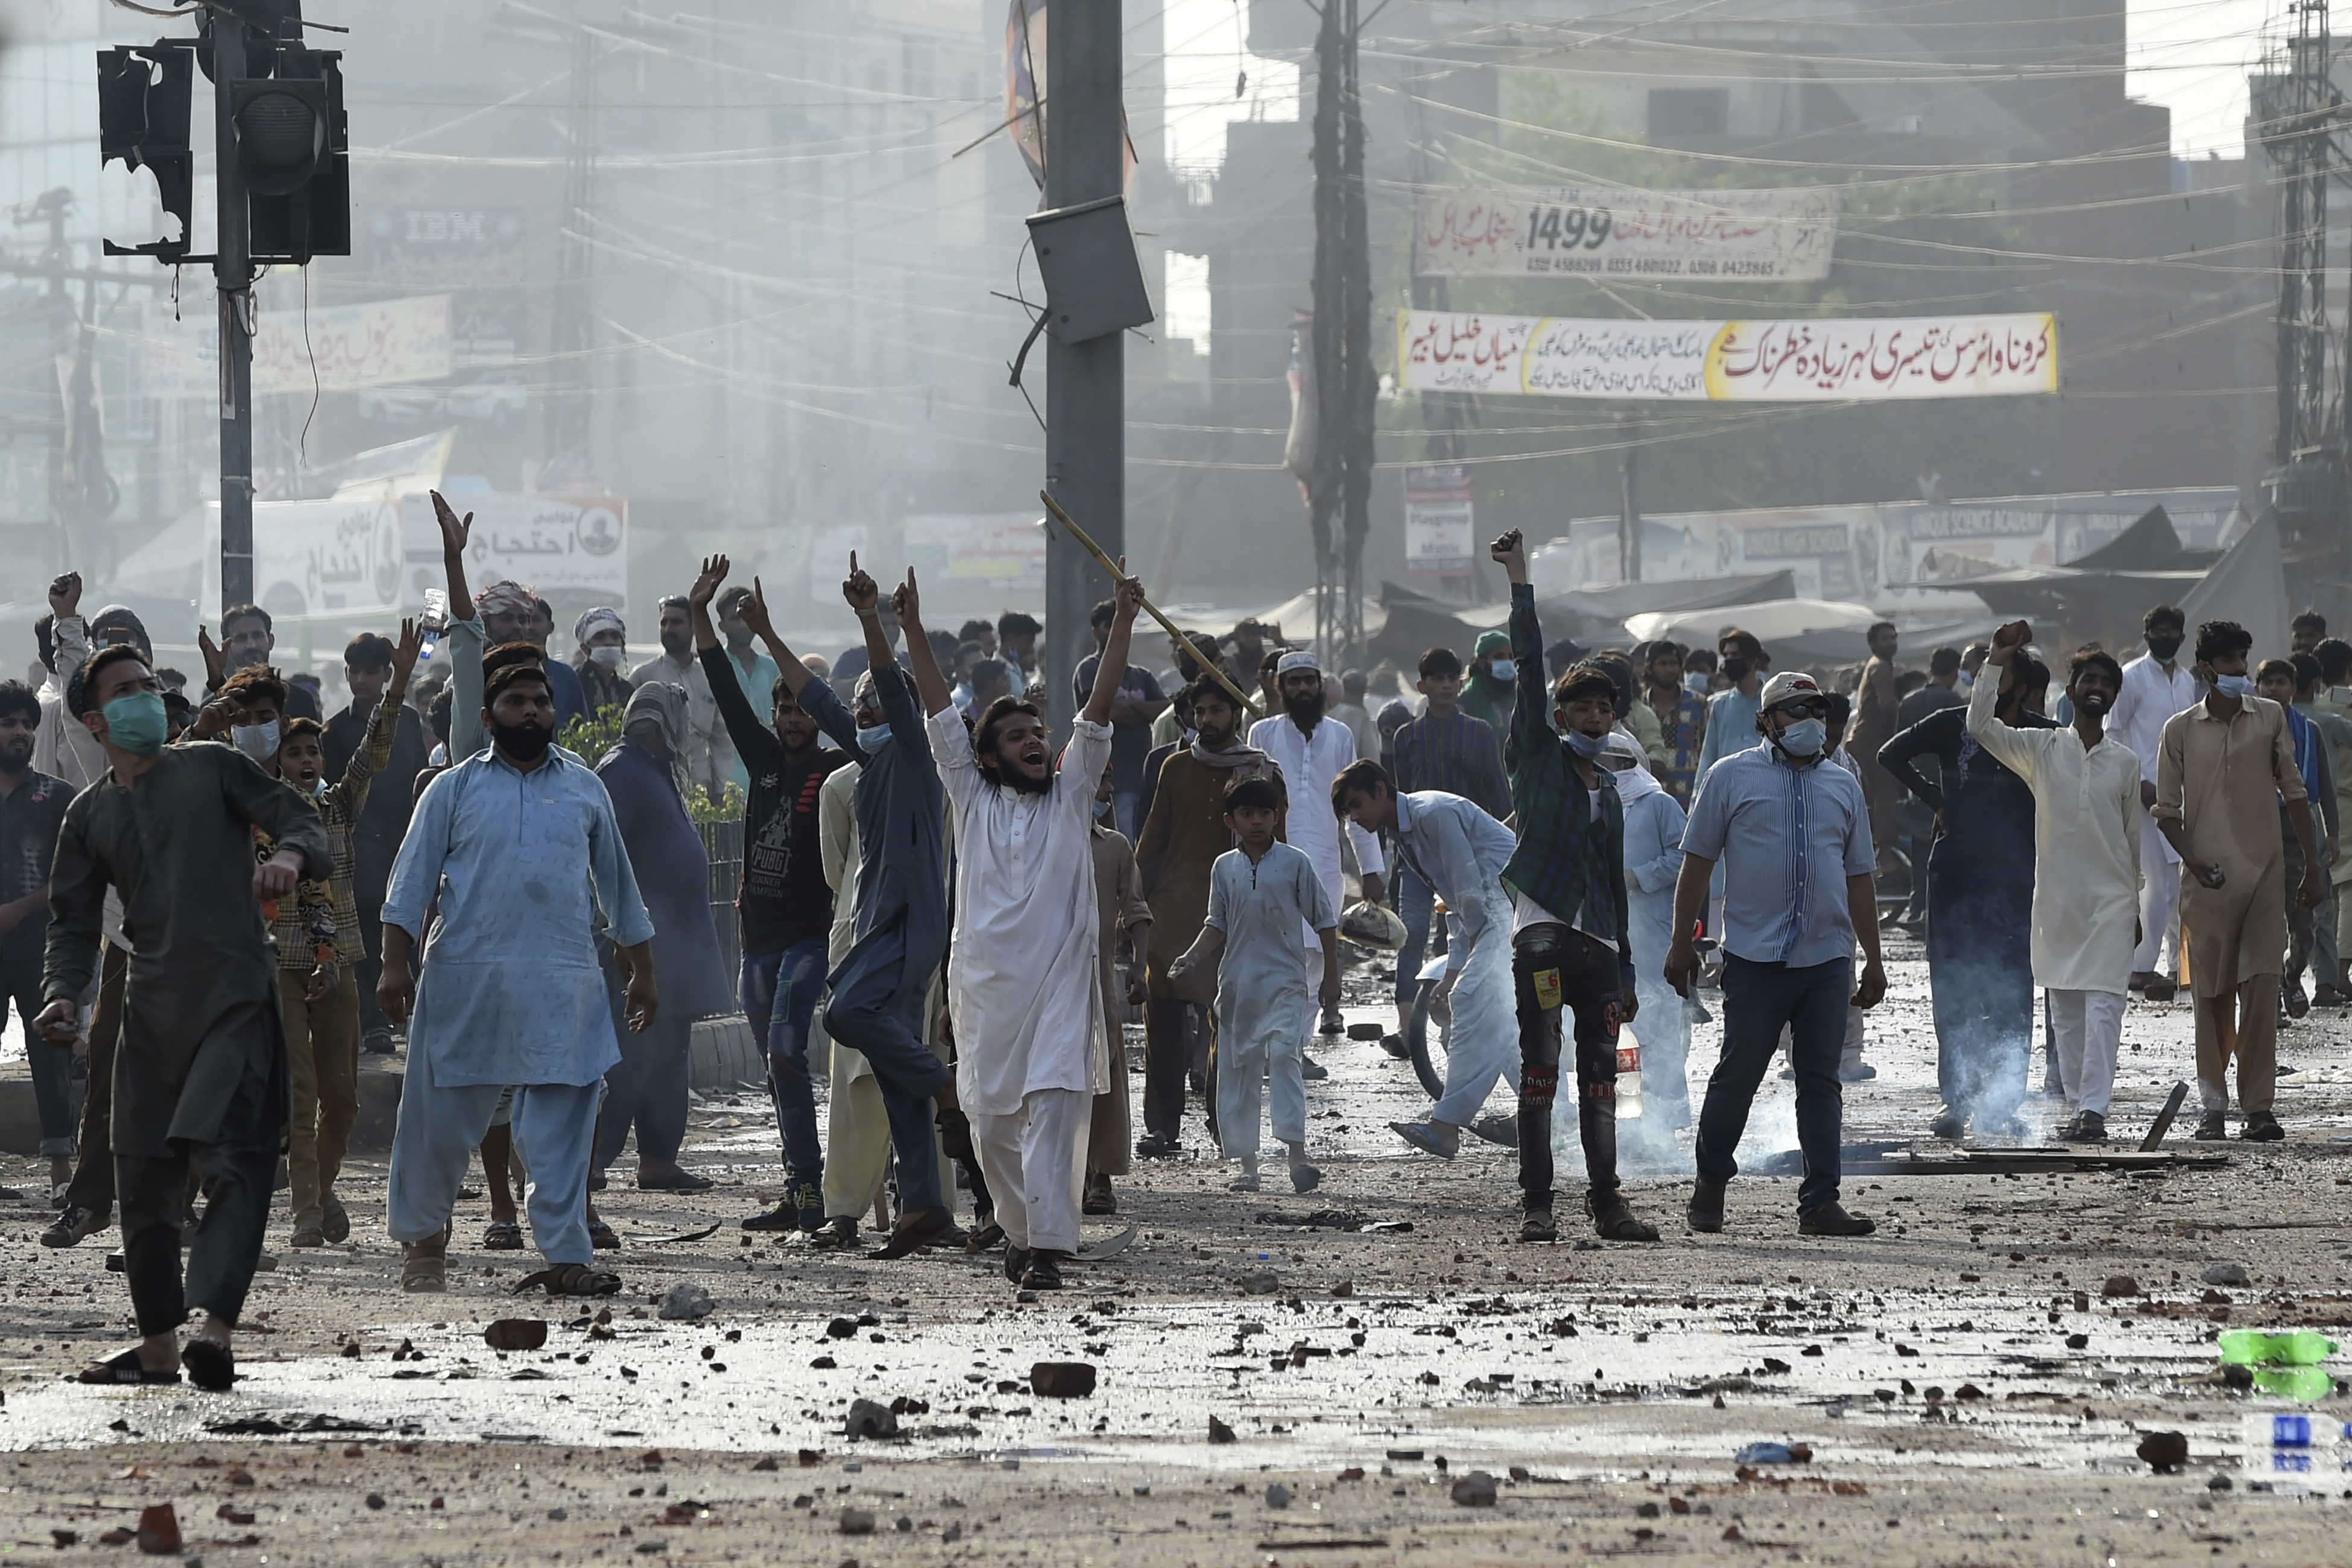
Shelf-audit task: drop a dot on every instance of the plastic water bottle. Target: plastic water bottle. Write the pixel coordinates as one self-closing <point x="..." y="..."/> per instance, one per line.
<point x="433" y="622"/>
<point x="1629" y="1075"/>
<point x="2295" y="1445"/>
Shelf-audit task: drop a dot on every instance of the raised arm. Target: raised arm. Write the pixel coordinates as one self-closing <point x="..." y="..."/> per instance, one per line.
<point x="375" y="754"/>
<point x="454" y="532"/>
<point x="1125" y="600"/>
<point x="2010" y="747"/>
<point x="930" y="686"/>
<point x="1530" y="730"/>
<point x="751" y="737"/>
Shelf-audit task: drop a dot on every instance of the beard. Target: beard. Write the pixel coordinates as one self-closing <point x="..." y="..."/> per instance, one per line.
<point x="525" y="742"/>
<point x="1303" y="707"/>
<point x="17" y="755"/>
<point x="1214" y="740"/>
<point x="1015" y="779"/>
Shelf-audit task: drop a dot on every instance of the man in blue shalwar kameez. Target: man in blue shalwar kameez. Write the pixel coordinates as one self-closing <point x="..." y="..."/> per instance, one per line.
<point x="520" y="845"/>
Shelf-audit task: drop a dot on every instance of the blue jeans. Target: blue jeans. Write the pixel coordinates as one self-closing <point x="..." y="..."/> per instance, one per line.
<point x="53" y="1096"/>
<point x="780" y="991"/>
<point x="1758" y="1000"/>
<point x="1127" y="813"/>
<point x="1414" y="906"/>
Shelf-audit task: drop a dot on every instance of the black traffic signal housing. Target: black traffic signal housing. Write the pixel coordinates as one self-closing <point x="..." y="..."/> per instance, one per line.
<point x="143" y="117"/>
<point x="294" y="157"/>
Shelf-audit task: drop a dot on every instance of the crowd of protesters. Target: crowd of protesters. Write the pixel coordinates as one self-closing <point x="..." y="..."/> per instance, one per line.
<point x="213" y="904"/>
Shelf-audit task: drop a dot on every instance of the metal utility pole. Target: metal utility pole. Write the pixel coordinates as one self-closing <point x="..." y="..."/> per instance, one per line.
<point x="1346" y="383"/>
<point x="1085" y="388"/>
<point x="2297" y="110"/>
<point x="569" y="405"/>
<point x="284" y="188"/>
<point x="233" y="277"/>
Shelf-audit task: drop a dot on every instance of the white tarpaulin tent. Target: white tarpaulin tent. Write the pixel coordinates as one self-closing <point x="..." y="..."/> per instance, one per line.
<point x="2247" y="585"/>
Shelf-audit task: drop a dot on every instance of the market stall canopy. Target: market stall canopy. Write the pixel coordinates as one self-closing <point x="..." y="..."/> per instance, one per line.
<point x="1600" y="615"/>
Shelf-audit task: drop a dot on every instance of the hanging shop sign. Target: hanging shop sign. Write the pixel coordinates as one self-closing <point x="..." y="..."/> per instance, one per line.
<point x="1729" y="361"/>
<point x="1746" y="237"/>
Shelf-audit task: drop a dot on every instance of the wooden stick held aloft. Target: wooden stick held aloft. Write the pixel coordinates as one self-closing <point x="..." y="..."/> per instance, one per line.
<point x="1170" y="628"/>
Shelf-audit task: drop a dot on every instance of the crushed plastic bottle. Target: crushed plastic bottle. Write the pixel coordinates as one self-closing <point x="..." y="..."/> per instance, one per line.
<point x="2255" y="1347"/>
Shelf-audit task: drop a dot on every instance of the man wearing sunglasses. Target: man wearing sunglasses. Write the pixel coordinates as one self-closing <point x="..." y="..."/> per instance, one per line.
<point x="1794" y="841"/>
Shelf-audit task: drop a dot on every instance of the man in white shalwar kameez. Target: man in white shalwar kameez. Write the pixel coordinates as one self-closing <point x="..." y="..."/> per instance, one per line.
<point x="1023" y="987"/>
<point x="2157" y="684"/>
<point x="2086" y="860"/>
<point x="1311" y="749"/>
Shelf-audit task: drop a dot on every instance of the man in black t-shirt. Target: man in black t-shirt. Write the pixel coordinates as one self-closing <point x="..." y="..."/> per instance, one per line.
<point x="785" y="904"/>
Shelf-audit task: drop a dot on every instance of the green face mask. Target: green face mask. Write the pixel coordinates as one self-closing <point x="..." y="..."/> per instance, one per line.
<point x="134" y="722"/>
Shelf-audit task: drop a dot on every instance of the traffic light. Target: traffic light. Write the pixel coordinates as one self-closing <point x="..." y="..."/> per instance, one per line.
<point x="143" y="118"/>
<point x="293" y="157"/>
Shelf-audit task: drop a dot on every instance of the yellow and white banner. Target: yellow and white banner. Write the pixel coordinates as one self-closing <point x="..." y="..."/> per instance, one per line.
<point x="1728" y="362"/>
<point x="1747" y="237"/>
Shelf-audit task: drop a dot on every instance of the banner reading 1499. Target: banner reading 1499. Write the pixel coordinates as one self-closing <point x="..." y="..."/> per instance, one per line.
<point x="1750" y="236"/>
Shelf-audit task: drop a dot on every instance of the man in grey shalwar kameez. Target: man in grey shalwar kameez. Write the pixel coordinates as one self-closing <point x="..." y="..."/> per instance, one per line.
<point x="201" y="1073"/>
<point x="875" y="997"/>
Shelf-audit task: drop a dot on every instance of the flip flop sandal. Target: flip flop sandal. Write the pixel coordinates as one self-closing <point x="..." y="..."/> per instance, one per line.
<point x="986" y="1238"/>
<point x="124" y="1369"/>
<point x="335" y="1219"/>
<point x="571" y="1279"/>
<point x="601" y="1237"/>
<point x="684" y="1182"/>
<point x="506" y="1236"/>
<point x="921" y="1231"/>
<point x="209" y="1365"/>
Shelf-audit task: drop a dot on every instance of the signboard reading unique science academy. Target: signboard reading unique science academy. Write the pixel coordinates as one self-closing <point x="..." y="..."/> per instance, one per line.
<point x="1748" y="237"/>
<point x="1735" y="362"/>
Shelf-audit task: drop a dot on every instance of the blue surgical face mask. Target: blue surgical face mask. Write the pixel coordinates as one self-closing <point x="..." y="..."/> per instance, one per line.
<point x="135" y="723"/>
<point x="259" y="742"/>
<point x="1502" y="670"/>
<point x="1103" y="809"/>
<point x="871" y="741"/>
<point x="1586" y="746"/>
<point x="2234" y="685"/>
<point x="1805" y="738"/>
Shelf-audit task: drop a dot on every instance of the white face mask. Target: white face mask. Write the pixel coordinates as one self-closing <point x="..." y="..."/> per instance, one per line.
<point x="608" y="657"/>
<point x="259" y="742"/>
<point x="1502" y="668"/>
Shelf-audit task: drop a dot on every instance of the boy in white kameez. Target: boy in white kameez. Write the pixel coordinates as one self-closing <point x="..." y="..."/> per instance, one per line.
<point x="1023" y="987"/>
<point x="1258" y="895"/>
<point x="2086" y="851"/>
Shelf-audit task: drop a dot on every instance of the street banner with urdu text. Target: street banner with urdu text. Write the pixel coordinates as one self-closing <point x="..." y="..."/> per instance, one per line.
<point x="338" y="348"/>
<point x="1746" y="237"/>
<point x="1729" y="361"/>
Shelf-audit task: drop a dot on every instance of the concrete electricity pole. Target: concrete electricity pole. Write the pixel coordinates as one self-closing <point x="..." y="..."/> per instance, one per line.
<point x="1085" y="389"/>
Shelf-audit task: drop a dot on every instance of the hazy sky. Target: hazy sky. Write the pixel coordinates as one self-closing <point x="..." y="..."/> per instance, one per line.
<point x="2192" y="56"/>
<point x="2189" y="54"/>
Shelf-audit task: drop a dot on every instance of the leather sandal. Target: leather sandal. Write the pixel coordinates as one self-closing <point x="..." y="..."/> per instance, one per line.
<point x="915" y="1230"/>
<point x="502" y="1236"/>
<point x="571" y="1279"/>
<point x="1617" y="1222"/>
<point x="425" y="1265"/>
<point x="210" y="1364"/>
